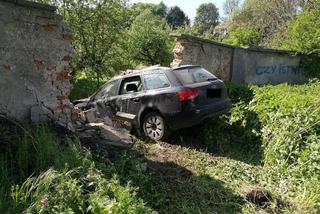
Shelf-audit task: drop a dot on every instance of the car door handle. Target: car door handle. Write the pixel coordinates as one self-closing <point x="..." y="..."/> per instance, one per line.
<point x="136" y="100"/>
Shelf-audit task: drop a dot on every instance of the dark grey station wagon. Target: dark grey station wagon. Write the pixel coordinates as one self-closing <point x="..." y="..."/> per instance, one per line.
<point x="158" y="100"/>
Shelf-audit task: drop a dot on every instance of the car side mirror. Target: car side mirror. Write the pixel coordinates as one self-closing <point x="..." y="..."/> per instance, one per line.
<point x="131" y="87"/>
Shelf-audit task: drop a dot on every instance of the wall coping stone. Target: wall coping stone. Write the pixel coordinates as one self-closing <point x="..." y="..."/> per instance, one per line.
<point x="35" y="5"/>
<point x="263" y="50"/>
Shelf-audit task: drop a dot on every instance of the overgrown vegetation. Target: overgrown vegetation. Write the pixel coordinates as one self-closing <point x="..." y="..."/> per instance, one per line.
<point x="42" y="172"/>
<point x="270" y="141"/>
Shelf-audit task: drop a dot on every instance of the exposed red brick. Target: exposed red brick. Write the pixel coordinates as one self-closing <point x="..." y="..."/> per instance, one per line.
<point x="37" y="63"/>
<point x="64" y="107"/>
<point x="7" y="67"/>
<point x="64" y="75"/>
<point x="178" y="56"/>
<point x="67" y="58"/>
<point x="62" y="98"/>
<point x="67" y="36"/>
<point x="49" y="27"/>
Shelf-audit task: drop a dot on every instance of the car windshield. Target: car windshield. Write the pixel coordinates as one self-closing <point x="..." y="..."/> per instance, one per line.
<point x="108" y="90"/>
<point x="194" y="75"/>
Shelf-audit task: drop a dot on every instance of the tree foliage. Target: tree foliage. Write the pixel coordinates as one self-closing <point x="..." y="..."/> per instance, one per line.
<point x="176" y="17"/>
<point x="148" y="40"/>
<point x="304" y="33"/>
<point x="303" y="36"/>
<point x="138" y="8"/>
<point x="110" y="35"/>
<point x="244" y="37"/>
<point x="264" y="16"/>
<point x="96" y="26"/>
<point x="207" y="17"/>
<point x="229" y="6"/>
<point x="163" y="9"/>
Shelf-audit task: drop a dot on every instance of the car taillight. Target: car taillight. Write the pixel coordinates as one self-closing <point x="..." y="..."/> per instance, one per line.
<point x="188" y="94"/>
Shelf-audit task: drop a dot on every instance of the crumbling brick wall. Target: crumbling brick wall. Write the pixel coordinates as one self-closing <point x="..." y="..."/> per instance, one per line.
<point x="195" y="51"/>
<point x="35" y="50"/>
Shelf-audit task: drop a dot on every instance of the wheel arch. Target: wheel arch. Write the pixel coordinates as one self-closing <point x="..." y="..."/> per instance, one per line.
<point x="144" y="113"/>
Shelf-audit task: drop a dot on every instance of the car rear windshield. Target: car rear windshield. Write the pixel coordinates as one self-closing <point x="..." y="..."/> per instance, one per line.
<point x="194" y="75"/>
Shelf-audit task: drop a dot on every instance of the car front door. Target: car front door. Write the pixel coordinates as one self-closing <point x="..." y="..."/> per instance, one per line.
<point x="105" y="99"/>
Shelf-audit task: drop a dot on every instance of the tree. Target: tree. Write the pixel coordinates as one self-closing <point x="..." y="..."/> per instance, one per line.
<point x="162" y="9"/>
<point x="148" y="40"/>
<point x="229" y="6"/>
<point x="138" y="8"/>
<point x="267" y="17"/>
<point x="207" y="17"/>
<point x="96" y="26"/>
<point x="176" y="17"/>
<point x="303" y="36"/>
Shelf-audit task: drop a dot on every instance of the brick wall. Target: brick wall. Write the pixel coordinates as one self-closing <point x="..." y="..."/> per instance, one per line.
<point x="35" y="51"/>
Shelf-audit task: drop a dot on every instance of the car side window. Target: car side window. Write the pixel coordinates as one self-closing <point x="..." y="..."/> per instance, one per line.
<point x="131" y="84"/>
<point x="156" y="81"/>
<point x="109" y="90"/>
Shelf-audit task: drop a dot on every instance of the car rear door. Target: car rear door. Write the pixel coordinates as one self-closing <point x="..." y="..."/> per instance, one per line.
<point x="131" y="101"/>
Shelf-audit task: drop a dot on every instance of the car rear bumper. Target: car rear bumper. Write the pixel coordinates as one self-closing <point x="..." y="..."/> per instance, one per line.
<point x="197" y="114"/>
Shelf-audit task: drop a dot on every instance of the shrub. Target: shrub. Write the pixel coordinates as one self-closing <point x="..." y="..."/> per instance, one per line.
<point x="244" y="37"/>
<point x="288" y="121"/>
<point x="83" y="88"/>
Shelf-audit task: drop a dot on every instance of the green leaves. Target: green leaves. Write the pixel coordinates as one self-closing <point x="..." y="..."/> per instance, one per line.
<point x="148" y="40"/>
<point x="207" y="17"/>
<point x="244" y="37"/>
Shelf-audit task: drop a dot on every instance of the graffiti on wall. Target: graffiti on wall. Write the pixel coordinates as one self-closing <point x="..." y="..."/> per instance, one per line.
<point x="278" y="70"/>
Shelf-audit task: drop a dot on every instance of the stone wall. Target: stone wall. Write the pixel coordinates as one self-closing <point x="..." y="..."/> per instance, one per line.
<point x="257" y="66"/>
<point x="35" y="50"/>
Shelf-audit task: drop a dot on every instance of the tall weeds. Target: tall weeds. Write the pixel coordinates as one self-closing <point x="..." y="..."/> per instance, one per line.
<point x="43" y="173"/>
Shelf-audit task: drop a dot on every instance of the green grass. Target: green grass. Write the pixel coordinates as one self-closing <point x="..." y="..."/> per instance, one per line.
<point x="43" y="172"/>
<point x="270" y="141"/>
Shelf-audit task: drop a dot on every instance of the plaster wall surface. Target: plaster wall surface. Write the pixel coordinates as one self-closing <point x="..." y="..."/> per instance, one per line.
<point x="35" y="50"/>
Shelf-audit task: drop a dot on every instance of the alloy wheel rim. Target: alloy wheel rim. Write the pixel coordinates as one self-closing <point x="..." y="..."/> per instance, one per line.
<point x="154" y="127"/>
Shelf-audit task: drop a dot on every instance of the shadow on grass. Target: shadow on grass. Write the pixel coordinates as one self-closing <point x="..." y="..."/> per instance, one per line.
<point x="239" y="139"/>
<point x="169" y="188"/>
<point x="220" y="138"/>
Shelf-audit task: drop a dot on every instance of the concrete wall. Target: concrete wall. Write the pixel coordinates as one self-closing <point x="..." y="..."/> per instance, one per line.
<point x="35" y="51"/>
<point x="257" y="66"/>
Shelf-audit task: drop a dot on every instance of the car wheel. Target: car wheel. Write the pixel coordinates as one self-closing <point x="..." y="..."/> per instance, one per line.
<point x="154" y="127"/>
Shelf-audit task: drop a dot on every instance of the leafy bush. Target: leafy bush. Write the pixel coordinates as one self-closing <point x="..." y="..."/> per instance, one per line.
<point x="83" y="88"/>
<point x="302" y="36"/>
<point x="244" y="37"/>
<point x="288" y="121"/>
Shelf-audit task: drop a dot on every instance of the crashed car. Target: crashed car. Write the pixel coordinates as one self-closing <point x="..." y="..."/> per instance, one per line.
<point x="159" y="100"/>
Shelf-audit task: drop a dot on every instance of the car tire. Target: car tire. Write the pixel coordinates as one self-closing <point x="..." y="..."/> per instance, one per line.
<point x="154" y="127"/>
